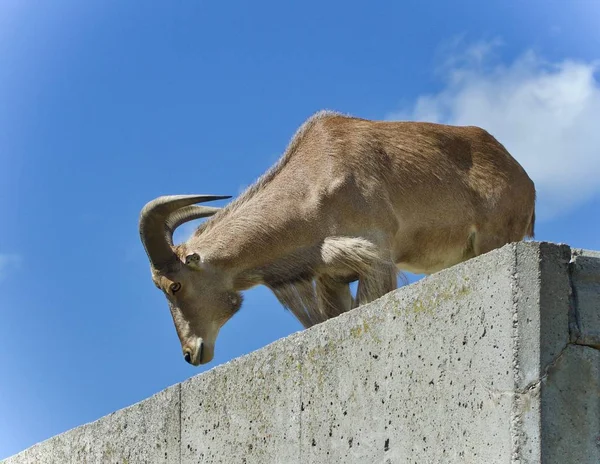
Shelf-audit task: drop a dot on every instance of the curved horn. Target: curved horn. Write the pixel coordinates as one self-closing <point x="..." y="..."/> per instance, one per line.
<point x="156" y="228"/>
<point x="186" y="214"/>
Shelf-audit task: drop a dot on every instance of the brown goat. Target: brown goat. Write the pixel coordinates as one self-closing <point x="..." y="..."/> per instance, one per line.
<point x="351" y="199"/>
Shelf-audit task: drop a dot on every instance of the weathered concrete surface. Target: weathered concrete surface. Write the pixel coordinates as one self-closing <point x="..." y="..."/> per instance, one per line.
<point x="492" y="361"/>
<point x="248" y="410"/>
<point x="586" y="285"/>
<point x="571" y="403"/>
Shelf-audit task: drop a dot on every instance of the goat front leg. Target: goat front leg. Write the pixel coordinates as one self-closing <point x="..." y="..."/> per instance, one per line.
<point x="380" y="279"/>
<point x="333" y="296"/>
<point x="300" y="298"/>
<point x="362" y="257"/>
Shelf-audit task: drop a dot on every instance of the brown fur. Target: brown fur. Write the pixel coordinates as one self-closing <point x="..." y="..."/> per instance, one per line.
<point x="431" y="195"/>
<point x="353" y="199"/>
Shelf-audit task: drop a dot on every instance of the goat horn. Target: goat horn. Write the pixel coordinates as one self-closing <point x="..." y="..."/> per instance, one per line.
<point x="186" y="214"/>
<point x="159" y="219"/>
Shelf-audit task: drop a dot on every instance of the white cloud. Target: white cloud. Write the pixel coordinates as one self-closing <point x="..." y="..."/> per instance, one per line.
<point x="8" y="263"/>
<point x="546" y="114"/>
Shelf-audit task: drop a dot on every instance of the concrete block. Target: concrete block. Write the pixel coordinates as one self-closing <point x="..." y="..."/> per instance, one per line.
<point x="585" y="272"/>
<point x="147" y="432"/>
<point x="421" y="375"/>
<point x="446" y="370"/>
<point x="480" y="363"/>
<point x="245" y="411"/>
<point x="571" y="408"/>
<point x="541" y="307"/>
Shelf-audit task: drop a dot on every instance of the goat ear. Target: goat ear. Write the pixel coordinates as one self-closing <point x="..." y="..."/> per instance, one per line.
<point x="193" y="260"/>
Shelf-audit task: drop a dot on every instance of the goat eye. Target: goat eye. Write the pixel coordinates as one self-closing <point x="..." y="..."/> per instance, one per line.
<point x="175" y="287"/>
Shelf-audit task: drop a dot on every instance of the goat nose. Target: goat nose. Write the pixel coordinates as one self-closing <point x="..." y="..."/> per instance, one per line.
<point x="188" y="357"/>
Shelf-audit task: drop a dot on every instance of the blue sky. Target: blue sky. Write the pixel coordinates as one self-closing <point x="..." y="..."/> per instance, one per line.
<point x="107" y="104"/>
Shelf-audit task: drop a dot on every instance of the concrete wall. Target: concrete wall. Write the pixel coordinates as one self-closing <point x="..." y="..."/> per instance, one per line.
<point x="496" y="360"/>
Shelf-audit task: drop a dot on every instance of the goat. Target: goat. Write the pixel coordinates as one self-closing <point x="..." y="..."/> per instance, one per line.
<point x="350" y="199"/>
